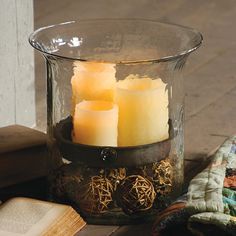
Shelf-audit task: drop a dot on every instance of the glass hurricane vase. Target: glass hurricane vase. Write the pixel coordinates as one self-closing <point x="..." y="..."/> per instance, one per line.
<point x="115" y="111"/>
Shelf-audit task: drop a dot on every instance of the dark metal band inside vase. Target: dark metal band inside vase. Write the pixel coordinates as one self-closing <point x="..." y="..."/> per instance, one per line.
<point x="107" y="157"/>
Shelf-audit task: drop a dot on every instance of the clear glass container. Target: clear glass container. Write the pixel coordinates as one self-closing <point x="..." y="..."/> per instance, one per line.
<point x="115" y="110"/>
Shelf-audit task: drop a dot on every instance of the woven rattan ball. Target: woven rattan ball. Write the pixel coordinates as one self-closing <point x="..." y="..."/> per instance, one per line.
<point x="162" y="177"/>
<point x="135" y="194"/>
<point x="95" y="195"/>
<point x="115" y="176"/>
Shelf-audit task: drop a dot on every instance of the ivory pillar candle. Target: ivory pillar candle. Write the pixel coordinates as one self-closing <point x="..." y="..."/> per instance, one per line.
<point x="92" y="81"/>
<point x="95" y="123"/>
<point x="143" y="111"/>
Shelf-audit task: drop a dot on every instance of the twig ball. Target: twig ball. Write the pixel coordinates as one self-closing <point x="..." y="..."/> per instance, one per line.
<point x="162" y="177"/>
<point x="95" y="195"/>
<point x="115" y="176"/>
<point x="135" y="194"/>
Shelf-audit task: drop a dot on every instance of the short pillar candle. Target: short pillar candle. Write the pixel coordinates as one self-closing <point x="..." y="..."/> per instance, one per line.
<point x="95" y="123"/>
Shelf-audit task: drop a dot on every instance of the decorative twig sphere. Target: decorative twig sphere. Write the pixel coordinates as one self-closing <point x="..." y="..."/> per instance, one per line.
<point x="162" y="177"/>
<point x="95" y="195"/>
<point x="115" y="176"/>
<point x="135" y="194"/>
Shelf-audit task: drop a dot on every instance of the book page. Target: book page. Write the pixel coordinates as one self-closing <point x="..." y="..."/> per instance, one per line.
<point x="23" y="216"/>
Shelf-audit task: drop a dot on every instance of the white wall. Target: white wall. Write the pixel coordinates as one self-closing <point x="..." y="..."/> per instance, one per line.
<point x="17" y="87"/>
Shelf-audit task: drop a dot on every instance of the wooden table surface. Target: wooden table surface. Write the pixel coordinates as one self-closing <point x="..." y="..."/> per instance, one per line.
<point x="210" y="73"/>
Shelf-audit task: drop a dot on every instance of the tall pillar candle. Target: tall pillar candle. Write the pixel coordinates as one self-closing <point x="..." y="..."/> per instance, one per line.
<point x="95" y="123"/>
<point x="92" y="81"/>
<point x="143" y="111"/>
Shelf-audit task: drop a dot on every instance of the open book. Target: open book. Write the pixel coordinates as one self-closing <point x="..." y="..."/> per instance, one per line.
<point x="29" y="217"/>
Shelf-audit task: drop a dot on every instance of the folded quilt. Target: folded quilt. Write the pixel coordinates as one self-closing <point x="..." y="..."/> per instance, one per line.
<point x="209" y="207"/>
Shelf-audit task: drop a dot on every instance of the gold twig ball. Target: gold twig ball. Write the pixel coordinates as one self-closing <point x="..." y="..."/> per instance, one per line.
<point x="135" y="194"/>
<point x="95" y="195"/>
<point x="115" y="176"/>
<point x="163" y="177"/>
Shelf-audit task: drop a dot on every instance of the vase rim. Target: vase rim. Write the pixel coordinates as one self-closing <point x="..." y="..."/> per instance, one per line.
<point x="35" y="44"/>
